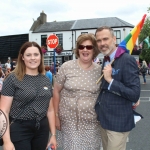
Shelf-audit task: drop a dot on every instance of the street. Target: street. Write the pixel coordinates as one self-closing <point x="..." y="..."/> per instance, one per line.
<point x="139" y="138"/>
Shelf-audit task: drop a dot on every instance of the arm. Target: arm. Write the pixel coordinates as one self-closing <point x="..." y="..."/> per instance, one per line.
<point x="128" y="85"/>
<point x="56" y="99"/>
<point x="51" y="120"/>
<point x="5" y="105"/>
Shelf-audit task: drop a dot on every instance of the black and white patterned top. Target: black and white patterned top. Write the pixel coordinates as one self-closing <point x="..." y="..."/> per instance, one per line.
<point x="36" y="88"/>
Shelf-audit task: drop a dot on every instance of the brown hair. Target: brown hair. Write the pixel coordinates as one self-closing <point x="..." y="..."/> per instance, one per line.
<point x="85" y="37"/>
<point x="47" y="68"/>
<point x="20" y="67"/>
<point x="105" y="27"/>
<point x="1" y="73"/>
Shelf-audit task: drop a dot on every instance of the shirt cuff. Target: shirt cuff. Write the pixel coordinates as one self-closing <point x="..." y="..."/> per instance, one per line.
<point x="110" y="84"/>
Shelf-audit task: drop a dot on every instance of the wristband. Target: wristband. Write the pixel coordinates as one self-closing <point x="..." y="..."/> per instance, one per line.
<point x="56" y="114"/>
<point x="53" y="134"/>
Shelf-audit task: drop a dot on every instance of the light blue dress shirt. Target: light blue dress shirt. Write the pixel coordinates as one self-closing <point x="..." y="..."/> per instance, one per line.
<point x="112" y="56"/>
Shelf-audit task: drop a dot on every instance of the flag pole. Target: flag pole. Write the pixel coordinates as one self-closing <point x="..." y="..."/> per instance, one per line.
<point x="103" y="74"/>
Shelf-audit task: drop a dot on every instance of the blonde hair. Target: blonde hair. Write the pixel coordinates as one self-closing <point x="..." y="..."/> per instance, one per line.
<point x="20" y="69"/>
<point x="85" y="37"/>
<point x="144" y="64"/>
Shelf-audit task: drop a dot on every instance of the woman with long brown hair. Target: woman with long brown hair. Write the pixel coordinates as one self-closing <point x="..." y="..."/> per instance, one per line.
<point x="28" y="90"/>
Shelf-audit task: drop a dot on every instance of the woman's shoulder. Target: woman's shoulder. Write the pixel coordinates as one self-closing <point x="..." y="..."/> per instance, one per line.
<point x="11" y="75"/>
<point x="68" y="63"/>
<point x="10" y="78"/>
<point x="98" y="67"/>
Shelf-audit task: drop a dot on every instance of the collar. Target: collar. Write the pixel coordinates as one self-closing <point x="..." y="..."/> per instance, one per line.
<point x="112" y="55"/>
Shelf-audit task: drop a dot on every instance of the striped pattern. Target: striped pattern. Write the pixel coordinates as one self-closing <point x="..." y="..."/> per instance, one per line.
<point x="126" y="46"/>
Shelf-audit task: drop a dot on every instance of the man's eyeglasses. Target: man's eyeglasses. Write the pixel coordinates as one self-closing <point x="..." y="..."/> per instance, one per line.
<point x="88" y="47"/>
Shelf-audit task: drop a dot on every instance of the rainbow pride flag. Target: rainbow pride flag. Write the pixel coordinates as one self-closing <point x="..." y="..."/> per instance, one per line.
<point x="126" y="46"/>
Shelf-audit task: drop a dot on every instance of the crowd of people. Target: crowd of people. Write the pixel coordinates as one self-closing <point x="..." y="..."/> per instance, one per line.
<point x="87" y="114"/>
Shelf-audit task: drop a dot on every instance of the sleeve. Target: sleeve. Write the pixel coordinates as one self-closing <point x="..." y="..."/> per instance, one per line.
<point x="8" y="88"/>
<point x="129" y="86"/>
<point x="61" y="77"/>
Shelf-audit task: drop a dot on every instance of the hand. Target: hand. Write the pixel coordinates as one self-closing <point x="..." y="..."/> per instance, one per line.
<point x="53" y="142"/>
<point x="136" y="104"/>
<point x="57" y="123"/>
<point x="8" y="146"/>
<point x="107" y="71"/>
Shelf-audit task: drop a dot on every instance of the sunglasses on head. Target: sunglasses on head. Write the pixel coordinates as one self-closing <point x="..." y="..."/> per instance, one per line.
<point x="88" y="47"/>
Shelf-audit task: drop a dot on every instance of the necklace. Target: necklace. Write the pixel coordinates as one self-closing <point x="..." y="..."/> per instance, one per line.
<point x="83" y="67"/>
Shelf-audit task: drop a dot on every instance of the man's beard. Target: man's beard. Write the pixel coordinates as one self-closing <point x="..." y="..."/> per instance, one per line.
<point x="108" y="51"/>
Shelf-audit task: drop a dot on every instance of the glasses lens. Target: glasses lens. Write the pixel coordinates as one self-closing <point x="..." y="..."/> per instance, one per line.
<point x="88" y="47"/>
<point x="81" y="47"/>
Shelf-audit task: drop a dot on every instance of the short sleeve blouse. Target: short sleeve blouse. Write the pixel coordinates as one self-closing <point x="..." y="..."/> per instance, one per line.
<point x="36" y="88"/>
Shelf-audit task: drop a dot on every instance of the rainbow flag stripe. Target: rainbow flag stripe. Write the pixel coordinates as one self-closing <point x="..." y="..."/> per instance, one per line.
<point x="126" y="46"/>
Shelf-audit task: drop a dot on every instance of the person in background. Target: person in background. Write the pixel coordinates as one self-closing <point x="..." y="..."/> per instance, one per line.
<point x="120" y="88"/>
<point x="13" y="65"/>
<point x="8" y="65"/>
<point x="149" y="68"/>
<point x="52" y="68"/>
<point x="48" y="73"/>
<point x="1" y="82"/>
<point x="74" y="97"/>
<point x="3" y="74"/>
<point x="143" y="70"/>
<point x="7" y="71"/>
<point x="29" y="91"/>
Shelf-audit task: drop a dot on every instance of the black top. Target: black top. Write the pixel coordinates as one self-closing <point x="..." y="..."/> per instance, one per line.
<point x="36" y="88"/>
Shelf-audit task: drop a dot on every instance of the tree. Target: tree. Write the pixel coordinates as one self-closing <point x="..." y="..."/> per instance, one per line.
<point x="145" y="32"/>
<point x="145" y="55"/>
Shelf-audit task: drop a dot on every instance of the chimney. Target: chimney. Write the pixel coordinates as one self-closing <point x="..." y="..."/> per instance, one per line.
<point x="43" y="17"/>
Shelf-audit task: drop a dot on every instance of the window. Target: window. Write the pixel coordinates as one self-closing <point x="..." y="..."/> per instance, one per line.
<point x="43" y="40"/>
<point x="60" y="37"/>
<point x="118" y="36"/>
<point x="66" y="58"/>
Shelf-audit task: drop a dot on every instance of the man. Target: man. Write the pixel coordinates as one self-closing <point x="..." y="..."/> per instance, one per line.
<point x="120" y="88"/>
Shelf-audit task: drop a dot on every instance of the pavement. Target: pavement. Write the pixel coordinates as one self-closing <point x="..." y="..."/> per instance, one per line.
<point x="139" y="138"/>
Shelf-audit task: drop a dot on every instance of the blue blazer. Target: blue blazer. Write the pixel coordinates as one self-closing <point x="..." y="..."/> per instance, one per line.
<point x="114" y="106"/>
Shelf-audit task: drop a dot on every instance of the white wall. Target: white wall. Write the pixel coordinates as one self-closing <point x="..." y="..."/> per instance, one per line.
<point x="68" y="39"/>
<point x="36" y="37"/>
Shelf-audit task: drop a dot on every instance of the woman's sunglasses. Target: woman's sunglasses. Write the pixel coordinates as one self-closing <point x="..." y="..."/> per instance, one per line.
<point x="88" y="47"/>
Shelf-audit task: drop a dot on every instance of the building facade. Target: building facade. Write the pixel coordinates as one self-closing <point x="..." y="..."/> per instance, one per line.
<point x="10" y="46"/>
<point x="68" y="32"/>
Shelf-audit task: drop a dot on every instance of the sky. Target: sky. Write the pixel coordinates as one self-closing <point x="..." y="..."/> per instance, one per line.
<point x="17" y="16"/>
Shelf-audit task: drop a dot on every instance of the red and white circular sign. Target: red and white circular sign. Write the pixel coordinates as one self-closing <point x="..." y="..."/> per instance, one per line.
<point x="3" y="123"/>
<point x="52" y="41"/>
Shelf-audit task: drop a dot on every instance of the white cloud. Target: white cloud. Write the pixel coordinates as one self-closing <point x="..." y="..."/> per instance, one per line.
<point x="17" y="16"/>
